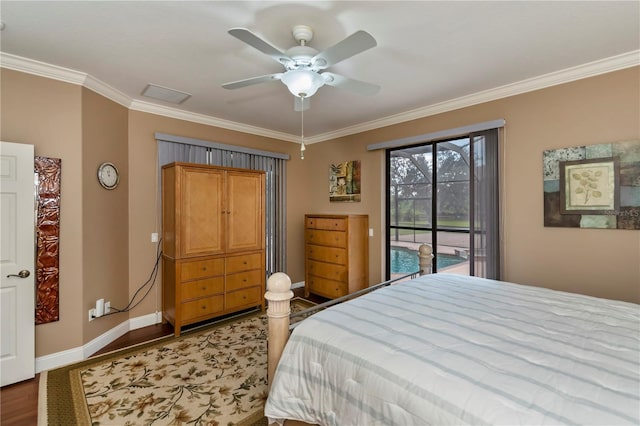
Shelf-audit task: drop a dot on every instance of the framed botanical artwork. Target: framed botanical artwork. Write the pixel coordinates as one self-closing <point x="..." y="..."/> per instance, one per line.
<point x="593" y="186"/>
<point x="344" y="181"/>
<point x="590" y="186"/>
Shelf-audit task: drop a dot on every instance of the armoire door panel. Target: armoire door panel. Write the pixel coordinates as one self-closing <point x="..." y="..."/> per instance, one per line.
<point x="244" y="212"/>
<point x="202" y="230"/>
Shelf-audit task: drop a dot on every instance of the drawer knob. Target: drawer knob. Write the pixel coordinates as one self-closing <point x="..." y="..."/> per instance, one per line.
<point x="244" y="280"/>
<point x="204" y="287"/>
<point x="204" y="307"/>
<point x="204" y="268"/>
<point x="244" y="296"/>
<point x="245" y="262"/>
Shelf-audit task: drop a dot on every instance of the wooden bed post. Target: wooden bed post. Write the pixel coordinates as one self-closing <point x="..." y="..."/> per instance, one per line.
<point x="425" y="256"/>
<point x="278" y="297"/>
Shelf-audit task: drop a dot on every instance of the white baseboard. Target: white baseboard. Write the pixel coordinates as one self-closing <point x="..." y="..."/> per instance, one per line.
<point x="145" y="320"/>
<point x="70" y="356"/>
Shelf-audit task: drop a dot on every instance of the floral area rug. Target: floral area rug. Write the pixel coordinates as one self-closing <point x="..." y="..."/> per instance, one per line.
<point x="215" y="375"/>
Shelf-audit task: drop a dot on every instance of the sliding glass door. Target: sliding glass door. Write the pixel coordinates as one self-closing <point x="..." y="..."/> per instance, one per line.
<point x="444" y="194"/>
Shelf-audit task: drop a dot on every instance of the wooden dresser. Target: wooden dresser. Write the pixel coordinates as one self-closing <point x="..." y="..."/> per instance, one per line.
<point x="212" y="240"/>
<point x="336" y="254"/>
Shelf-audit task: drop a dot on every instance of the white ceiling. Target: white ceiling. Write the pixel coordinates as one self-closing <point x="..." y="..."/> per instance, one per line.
<point x="431" y="56"/>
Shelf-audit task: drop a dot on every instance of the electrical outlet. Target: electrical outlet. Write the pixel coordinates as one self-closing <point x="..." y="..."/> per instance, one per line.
<point x="92" y="314"/>
<point x="107" y="307"/>
<point x="154" y="237"/>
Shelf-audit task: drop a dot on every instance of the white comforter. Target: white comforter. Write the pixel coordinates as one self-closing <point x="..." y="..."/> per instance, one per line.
<point x="448" y="349"/>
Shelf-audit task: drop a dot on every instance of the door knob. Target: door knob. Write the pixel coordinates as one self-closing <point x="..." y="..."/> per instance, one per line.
<point x="22" y="274"/>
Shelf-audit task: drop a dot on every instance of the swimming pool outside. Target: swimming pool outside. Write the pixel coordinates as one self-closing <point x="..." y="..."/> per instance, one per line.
<point x="404" y="261"/>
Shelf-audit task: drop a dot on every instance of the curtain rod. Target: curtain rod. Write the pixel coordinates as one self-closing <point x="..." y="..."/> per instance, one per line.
<point x="442" y="134"/>
<point x="217" y="145"/>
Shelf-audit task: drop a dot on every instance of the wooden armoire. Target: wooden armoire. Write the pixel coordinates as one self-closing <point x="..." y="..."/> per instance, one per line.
<point x="213" y="242"/>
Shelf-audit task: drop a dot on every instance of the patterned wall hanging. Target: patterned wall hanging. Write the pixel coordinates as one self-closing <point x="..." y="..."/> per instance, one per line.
<point x="48" y="176"/>
<point x="595" y="186"/>
<point x="344" y="181"/>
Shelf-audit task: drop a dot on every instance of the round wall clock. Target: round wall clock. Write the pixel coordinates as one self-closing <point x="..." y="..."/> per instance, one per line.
<point x="108" y="175"/>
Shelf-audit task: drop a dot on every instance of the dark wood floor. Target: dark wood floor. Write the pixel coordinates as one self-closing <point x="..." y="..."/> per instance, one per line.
<point x="19" y="402"/>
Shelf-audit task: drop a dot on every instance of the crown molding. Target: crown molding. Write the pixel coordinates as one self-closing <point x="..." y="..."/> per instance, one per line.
<point x="179" y="114"/>
<point x="42" y="69"/>
<point x="107" y="91"/>
<point x="591" y="69"/>
<point x="54" y="72"/>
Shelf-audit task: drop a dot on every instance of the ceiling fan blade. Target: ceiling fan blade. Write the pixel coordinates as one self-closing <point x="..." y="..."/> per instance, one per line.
<point x="253" y="80"/>
<point x="298" y="105"/>
<point x="261" y="44"/>
<point x="356" y="86"/>
<point x="356" y="43"/>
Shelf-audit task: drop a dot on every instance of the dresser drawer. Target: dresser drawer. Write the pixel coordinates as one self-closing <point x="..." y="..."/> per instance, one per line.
<point x="244" y="279"/>
<point x="205" y="306"/>
<point x="330" y="224"/>
<point x="201" y="269"/>
<point x="248" y="296"/>
<point x="327" y="288"/>
<point x="327" y="254"/>
<point x="201" y="288"/>
<point x="244" y="262"/>
<point x="326" y="238"/>
<point x="327" y="270"/>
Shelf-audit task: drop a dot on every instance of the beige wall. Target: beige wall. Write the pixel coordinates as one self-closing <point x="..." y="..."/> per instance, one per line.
<point x="598" y="262"/>
<point x="65" y="121"/>
<point x="48" y="115"/>
<point x="105" y="216"/>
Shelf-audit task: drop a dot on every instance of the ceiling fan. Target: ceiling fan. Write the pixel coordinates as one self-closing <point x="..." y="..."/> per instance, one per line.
<point x="303" y="64"/>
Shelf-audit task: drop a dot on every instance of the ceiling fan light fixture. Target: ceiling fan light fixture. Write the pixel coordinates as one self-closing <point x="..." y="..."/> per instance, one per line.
<point x="302" y="83"/>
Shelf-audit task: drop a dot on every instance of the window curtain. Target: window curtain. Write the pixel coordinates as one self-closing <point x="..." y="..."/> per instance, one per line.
<point x="179" y="149"/>
<point x="485" y="205"/>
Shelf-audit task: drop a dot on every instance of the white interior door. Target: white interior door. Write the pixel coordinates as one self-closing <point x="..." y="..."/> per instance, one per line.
<point x="17" y="260"/>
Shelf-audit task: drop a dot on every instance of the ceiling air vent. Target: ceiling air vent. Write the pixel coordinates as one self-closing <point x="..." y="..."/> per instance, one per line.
<point x="165" y="94"/>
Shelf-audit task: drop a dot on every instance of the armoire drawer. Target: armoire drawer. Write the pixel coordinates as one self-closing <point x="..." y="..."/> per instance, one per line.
<point x="327" y="288"/>
<point x="327" y="254"/>
<point x="244" y="279"/>
<point x="244" y="262"/>
<point x="327" y="270"/>
<point x="247" y="296"/>
<point x="201" y="288"/>
<point x="326" y="238"/>
<point x="202" y="307"/>
<point x="201" y="269"/>
<point x="330" y="224"/>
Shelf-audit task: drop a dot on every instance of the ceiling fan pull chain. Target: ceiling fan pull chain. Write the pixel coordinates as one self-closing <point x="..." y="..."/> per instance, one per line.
<point x="302" y="147"/>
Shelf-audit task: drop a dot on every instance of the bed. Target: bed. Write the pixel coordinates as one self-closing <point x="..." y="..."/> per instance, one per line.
<point x="450" y="349"/>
